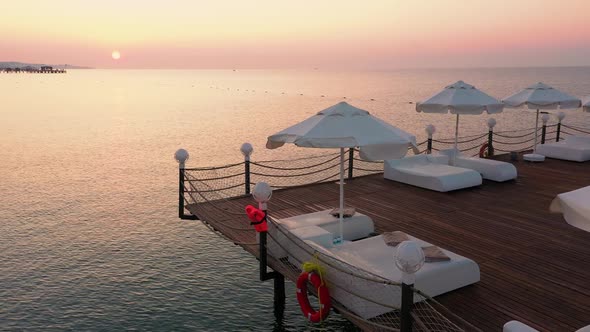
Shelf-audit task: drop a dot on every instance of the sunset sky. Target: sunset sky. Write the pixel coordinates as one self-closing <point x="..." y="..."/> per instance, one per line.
<point x="371" y="34"/>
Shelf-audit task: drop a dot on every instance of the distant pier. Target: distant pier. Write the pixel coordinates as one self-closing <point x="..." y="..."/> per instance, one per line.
<point x="33" y="70"/>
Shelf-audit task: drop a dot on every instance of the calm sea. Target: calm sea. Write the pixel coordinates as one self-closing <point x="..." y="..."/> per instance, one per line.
<point x="89" y="235"/>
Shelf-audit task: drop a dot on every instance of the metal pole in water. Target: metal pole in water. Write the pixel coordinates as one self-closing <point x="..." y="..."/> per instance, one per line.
<point x="279" y="296"/>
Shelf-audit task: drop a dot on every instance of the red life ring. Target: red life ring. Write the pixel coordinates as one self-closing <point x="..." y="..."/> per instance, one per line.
<point x="483" y="151"/>
<point x="323" y="297"/>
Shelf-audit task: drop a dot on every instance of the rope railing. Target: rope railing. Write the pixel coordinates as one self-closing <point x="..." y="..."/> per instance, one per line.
<point x="237" y="179"/>
<point x="580" y="130"/>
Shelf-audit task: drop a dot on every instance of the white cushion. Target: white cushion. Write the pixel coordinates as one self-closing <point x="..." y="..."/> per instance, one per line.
<point x="489" y="169"/>
<point x="356" y="227"/>
<point x="516" y="326"/>
<point x="430" y="172"/>
<point x="533" y="157"/>
<point x="315" y="234"/>
<point x="574" y="148"/>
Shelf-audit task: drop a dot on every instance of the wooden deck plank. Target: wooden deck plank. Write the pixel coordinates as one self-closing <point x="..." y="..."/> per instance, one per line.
<point x="534" y="266"/>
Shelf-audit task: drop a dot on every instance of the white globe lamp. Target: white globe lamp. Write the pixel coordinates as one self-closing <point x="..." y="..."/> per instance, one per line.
<point x="262" y="193"/>
<point x="409" y="258"/>
<point x="181" y="156"/>
<point x="247" y="150"/>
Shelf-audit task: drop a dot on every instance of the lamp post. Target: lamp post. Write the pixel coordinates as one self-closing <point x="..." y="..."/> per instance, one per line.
<point x="262" y="193"/>
<point x="560" y="117"/>
<point x="409" y="258"/>
<point x="181" y="156"/>
<point x="247" y="150"/>
<point x="544" y="118"/>
<point x="430" y="129"/>
<point x="491" y="125"/>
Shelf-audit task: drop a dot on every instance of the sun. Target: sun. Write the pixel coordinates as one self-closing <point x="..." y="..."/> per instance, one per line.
<point x="116" y="55"/>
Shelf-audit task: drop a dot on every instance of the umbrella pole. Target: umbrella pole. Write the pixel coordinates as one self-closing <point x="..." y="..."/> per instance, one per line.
<point x="536" y="128"/>
<point x="341" y="214"/>
<point x="456" y="150"/>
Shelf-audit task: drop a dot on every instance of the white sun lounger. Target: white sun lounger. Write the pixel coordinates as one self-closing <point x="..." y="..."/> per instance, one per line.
<point x="575" y="207"/>
<point x="431" y="172"/>
<point x="375" y="257"/>
<point x="573" y="148"/>
<point x="489" y="169"/>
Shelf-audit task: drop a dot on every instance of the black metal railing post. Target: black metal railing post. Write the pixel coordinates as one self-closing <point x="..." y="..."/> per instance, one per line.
<point x="544" y="118"/>
<point x="560" y="117"/>
<point x="406" y="309"/>
<point x="247" y="150"/>
<point x="247" y="176"/>
<point x="181" y="191"/>
<point x="181" y="157"/>
<point x="491" y="125"/>
<point x="262" y="193"/>
<point x="430" y="129"/>
<point x="409" y="258"/>
<point x="350" y="162"/>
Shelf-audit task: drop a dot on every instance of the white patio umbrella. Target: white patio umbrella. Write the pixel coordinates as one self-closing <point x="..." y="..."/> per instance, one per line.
<point x="541" y="96"/>
<point x="460" y="98"/>
<point x="345" y="126"/>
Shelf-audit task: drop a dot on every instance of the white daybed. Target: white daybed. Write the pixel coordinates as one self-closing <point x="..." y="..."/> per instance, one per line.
<point x="489" y="169"/>
<point x="573" y="148"/>
<point x="575" y="207"/>
<point x="372" y="256"/>
<point x="516" y="326"/>
<point x="431" y="172"/>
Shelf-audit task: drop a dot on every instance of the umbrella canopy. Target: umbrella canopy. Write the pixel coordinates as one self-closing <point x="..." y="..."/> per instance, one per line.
<point x="541" y="96"/>
<point x="460" y="98"/>
<point x="345" y="126"/>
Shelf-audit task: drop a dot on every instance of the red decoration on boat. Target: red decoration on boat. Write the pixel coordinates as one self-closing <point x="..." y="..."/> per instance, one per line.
<point x="323" y="297"/>
<point x="257" y="218"/>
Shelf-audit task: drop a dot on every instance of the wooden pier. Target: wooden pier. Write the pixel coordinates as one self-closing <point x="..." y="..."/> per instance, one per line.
<point x="534" y="266"/>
